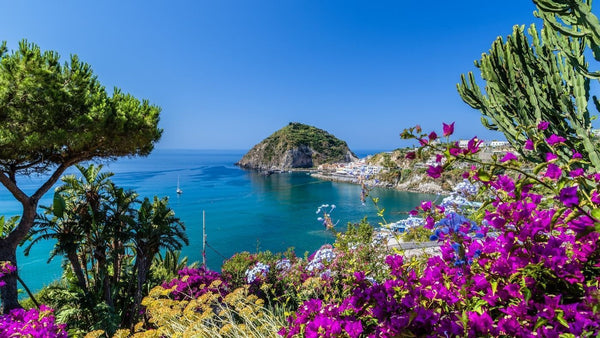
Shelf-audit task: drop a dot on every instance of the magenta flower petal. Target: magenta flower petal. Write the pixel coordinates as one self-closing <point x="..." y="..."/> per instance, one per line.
<point x="434" y="171"/>
<point x="553" y="172"/>
<point x="576" y="172"/>
<point x="555" y="139"/>
<point x="550" y="157"/>
<point x="529" y="145"/>
<point x="448" y="129"/>
<point x="568" y="196"/>
<point x="509" y="157"/>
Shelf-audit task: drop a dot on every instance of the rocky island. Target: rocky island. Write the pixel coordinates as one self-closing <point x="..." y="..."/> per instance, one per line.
<point x="296" y="145"/>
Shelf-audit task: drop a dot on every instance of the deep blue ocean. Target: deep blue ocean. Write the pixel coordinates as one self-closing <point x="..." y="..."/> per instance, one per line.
<point x="245" y="211"/>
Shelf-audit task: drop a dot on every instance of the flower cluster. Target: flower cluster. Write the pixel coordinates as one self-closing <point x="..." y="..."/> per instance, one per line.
<point x="258" y="272"/>
<point x="192" y="283"/>
<point x="324" y="320"/>
<point x="6" y="269"/>
<point x="31" y="323"/>
<point x="466" y="189"/>
<point x="526" y="263"/>
<point x="283" y="264"/>
<point x="324" y="255"/>
<point x="326" y="219"/>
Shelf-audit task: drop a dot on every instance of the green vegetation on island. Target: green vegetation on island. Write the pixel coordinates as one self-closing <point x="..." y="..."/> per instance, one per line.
<point x="296" y="145"/>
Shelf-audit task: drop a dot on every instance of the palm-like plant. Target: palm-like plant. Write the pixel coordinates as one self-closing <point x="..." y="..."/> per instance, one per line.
<point x="88" y="197"/>
<point x="121" y="218"/>
<point x="110" y="239"/>
<point x="156" y="228"/>
<point x="57" y="223"/>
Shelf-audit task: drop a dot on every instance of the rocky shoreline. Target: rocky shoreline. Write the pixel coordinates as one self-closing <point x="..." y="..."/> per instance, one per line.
<point x="416" y="184"/>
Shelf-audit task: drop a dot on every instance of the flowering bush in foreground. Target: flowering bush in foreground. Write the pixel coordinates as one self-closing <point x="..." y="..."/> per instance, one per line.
<point x="31" y="323"/>
<point x="526" y="263"/>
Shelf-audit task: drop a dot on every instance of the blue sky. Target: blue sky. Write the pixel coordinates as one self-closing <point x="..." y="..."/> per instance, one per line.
<point x="229" y="73"/>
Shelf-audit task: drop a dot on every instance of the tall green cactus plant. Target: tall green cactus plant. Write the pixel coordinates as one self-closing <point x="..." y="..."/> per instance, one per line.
<point x="527" y="83"/>
<point x="572" y="18"/>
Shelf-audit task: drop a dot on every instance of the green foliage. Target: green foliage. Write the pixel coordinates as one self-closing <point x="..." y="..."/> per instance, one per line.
<point x="360" y="233"/>
<point x="55" y="115"/>
<point x="234" y="268"/>
<point x="417" y="234"/>
<point x="165" y="266"/>
<point x="109" y="240"/>
<point x="7" y="225"/>
<point x="529" y="82"/>
<point x="52" y="114"/>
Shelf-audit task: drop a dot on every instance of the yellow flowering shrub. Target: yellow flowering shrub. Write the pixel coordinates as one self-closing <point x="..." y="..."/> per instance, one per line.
<point x="237" y="314"/>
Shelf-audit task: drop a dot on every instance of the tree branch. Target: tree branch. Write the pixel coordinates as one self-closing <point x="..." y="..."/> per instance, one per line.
<point x="13" y="188"/>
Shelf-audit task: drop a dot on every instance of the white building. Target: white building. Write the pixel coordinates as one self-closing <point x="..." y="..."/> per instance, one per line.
<point x="497" y="144"/>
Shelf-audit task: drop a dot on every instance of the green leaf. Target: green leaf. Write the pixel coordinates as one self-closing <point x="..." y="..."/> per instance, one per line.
<point x="539" y="167"/>
<point x="540" y="322"/>
<point x="59" y="205"/>
<point x="526" y="293"/>
<point x="561" y="319"/>
<point x="483" y="175"/>
<point x="596" y="213"/>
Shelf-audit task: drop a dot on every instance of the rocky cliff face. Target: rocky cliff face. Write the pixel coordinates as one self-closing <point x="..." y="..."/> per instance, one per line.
<point x="296" y="146"/>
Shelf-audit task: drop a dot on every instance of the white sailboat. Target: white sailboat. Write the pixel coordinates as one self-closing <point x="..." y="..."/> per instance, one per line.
<point x="179" y="191"/>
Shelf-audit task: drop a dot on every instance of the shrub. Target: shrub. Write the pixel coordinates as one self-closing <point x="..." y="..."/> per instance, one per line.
<point x="528" y="266"/>
<point x="31" y="323"/>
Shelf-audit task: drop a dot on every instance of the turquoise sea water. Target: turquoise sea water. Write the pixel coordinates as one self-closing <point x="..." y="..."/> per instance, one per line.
<point x="244" y="210"/>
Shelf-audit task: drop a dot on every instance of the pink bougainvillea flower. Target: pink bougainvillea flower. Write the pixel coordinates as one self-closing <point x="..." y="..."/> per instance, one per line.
<point x="568" y="196"/>
<point x="434" y="171"/>
<point x="448" y="129"/>
<point x="432" y="136"/>
<point x="411" y="155"/>
<point x="595" y="197"/>
<point x="550" y="157"/>
<point x="438" y="158"/>
<point x="529" y="144"/>
<point x="553" y="171"/>
<point x="505" y="183"/>
<point x="509" y="157"/>
<point x="576" y="155"/>
<point x="576" y="172"/>
<point x="456" y="151"/>
<point x="543" y="125"/>
<point x="473" y="145"/>
<point x="555" y="139"/>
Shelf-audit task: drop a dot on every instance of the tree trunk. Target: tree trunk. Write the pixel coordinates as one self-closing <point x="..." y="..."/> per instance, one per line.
<point x="142" y="273"/>
<point x="77" y="270"/>
<point x="8" y="252"/>
<point x="8" y="245"/>
<point x="10" y="297"/>
<point x="102" y="277"/>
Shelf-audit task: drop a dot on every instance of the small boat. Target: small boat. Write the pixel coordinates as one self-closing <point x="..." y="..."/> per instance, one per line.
<point x="179" y="191"/>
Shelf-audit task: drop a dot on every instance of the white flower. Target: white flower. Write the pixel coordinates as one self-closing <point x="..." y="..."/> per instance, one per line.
<point x="283" y="264"/>
<point x="322" y="255"/>
<point x="259" y="269"/>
